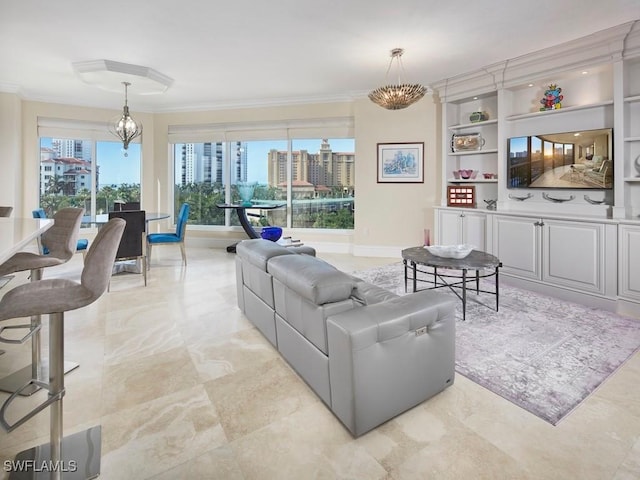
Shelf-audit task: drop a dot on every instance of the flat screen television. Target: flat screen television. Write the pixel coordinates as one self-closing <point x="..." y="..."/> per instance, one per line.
<point x="576" y="160"/>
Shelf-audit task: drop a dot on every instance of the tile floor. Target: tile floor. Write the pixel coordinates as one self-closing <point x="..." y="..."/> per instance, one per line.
<point x="185" y="388"/>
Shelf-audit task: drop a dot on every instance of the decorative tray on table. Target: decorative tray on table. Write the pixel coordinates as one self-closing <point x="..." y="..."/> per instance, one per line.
<point x="450" y="251"/>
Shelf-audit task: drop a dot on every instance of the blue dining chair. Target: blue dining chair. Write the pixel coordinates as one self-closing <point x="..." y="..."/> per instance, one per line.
<point x="81" y="246"/>
<point x="176" y="238"/>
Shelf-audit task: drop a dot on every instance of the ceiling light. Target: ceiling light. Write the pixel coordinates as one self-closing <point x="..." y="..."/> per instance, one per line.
<point x="125" y="127"/>
<point x="401" y="95"/>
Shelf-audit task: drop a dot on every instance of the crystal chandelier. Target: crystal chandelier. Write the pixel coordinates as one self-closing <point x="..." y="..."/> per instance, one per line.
<point x="396" y="97"/>
<point x="125" y="127"/>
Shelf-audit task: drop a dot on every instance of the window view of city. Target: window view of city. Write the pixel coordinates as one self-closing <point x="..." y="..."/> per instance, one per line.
<point x="322" y="180"/>
<point x="320" y="194"/>
<point x="85" y="173"/>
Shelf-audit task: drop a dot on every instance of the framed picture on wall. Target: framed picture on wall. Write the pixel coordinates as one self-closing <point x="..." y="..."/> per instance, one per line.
<point x="401" y="162"/>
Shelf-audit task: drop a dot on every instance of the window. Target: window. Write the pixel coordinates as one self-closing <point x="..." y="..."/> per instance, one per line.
<point x="322" y="188"/>
<point x="70" y="166"/>
<point x="306" y="165"/>
<point x="322" y="185"/>
<point x="199" y="172"/>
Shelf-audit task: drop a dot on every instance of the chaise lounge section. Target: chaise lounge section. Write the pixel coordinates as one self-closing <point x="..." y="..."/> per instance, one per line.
<point x="368" y="353"/>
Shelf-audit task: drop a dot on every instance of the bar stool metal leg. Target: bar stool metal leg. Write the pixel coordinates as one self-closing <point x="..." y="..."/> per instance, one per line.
<point x="75" y="457"/>
<point x="38" y="369"/>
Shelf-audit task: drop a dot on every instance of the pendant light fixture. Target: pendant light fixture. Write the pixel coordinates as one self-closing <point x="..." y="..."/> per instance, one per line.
<point x="401" y="95"/>
<point x="125" y="127"/>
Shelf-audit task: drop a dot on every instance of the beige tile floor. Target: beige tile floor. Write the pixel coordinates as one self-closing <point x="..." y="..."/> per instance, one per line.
<point x="185" y="388"/>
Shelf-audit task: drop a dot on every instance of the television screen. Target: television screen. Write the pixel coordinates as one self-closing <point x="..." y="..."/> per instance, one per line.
<point x="577" y="160"/>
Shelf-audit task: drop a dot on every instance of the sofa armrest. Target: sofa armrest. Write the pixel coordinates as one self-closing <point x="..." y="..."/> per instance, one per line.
<point x="388" y="357"/>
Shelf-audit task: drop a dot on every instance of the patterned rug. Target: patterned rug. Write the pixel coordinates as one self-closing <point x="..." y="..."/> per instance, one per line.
<point x="541" y="353"/>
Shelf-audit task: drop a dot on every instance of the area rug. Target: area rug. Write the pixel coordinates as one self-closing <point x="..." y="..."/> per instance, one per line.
<point x="541" y="353"/>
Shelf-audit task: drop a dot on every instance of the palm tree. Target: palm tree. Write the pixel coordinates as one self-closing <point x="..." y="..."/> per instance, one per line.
<point x="55" y="185"/>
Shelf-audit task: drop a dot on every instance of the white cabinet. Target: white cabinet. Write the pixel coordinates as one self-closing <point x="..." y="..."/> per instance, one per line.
<point x="516" y="242"/>
<point x="564" y="253"/>
<point x="629" y="268"/>
<point x="462" y="226"/>
<point x="574" y="254"/>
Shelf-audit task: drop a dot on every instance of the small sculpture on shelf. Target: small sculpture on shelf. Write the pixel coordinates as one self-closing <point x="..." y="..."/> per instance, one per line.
<point x="491" y="204"/>
<point x="552" y="98"/>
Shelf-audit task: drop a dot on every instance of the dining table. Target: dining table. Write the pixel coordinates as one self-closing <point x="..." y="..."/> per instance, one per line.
<point x="16" y="233"/>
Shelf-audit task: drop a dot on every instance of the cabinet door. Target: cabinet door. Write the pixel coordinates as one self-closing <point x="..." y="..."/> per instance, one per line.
<point x="629" y="262"/>
<point x="449" y="227"/>
<point x="474" y="229"/>
<point x="573" y="255"/>
<point x="516" y="242"/>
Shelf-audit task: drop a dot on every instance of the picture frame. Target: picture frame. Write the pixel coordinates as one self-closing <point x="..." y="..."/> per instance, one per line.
<point x="401" y="162"/>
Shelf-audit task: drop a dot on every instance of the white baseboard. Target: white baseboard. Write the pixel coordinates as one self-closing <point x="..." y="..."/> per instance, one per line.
<point x="628" y="308"/>
<point x="590" y="300"/>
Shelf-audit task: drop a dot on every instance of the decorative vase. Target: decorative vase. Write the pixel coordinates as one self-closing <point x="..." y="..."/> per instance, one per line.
<point x="478" y="117"/>
<point x="245" y="192"/>
<point x="271" y="233"/>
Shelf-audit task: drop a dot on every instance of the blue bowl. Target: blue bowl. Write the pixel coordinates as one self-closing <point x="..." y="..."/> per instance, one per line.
<point x="271" y="233"/>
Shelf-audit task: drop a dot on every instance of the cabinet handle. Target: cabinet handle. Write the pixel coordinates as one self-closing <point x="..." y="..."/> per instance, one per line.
<point x="461" y="215"/>
<point x="539" y="224"/>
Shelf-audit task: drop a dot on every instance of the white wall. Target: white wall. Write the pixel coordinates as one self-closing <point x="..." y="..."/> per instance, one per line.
<point x="10" y="151"/>
<point x="393" y="216"/>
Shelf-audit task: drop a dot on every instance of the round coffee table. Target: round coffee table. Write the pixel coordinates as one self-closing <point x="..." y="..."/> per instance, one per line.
<point x="476" y="260"/>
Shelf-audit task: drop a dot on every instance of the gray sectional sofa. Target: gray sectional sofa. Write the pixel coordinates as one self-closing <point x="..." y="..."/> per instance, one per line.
<point x="368" y="353"/>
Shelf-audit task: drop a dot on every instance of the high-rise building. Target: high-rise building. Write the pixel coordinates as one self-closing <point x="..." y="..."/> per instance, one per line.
<point x="68" y="148"/>
<point x="204" y="162"/>
<point x="323" y="169"/>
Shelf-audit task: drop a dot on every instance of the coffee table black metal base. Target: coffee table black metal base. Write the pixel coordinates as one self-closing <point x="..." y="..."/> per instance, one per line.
<point x="475" y="261"/>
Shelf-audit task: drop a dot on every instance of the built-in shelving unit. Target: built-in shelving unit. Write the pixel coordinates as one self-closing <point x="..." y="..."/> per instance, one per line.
<point x="457" y="121"/>
<point x="631" y="136"/>
<point x="600" y="80"/>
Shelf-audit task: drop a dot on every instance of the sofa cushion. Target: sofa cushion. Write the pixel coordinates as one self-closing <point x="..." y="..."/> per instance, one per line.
<point x="368" y="294"/>
<point x="311" y="278"/>
<point x="258" y="251"/>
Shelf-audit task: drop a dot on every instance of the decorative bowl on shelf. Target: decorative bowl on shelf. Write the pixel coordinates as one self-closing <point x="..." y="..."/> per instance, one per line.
<point x="487" y="175"/>
<point x="468" y="174"/>
<point x="271" y="233"/>
<point x="450" y="251"/>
